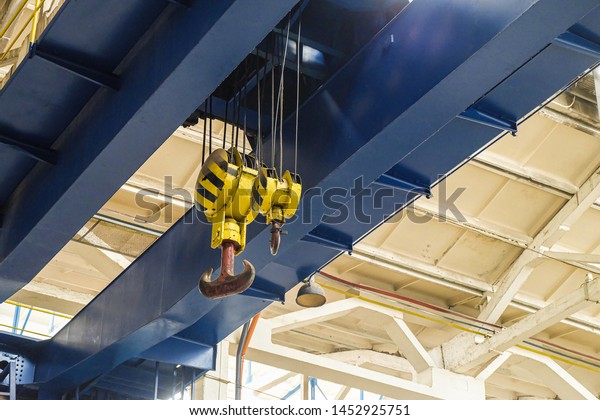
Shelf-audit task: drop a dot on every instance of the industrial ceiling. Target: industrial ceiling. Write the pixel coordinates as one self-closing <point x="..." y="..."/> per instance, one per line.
<point x="98" y="225"/>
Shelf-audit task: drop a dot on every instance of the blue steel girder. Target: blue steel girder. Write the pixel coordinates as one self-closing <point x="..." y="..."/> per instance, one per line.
<point x="395" y="104"/>
<point x="138" y="380"/>
<point x="182" y="57"/>
<point x="40" y="99"/>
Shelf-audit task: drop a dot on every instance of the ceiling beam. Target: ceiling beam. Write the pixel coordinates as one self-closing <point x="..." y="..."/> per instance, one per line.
<point x="323" y="332"/>
<point x="450" y="279"/>
<point x="497" y="392"/>
<point x="161" y="195"/>
<point x="48" y="296"/>
<point x="490" y="230"/>
<point x="45" y="301"/>
<point x="472" y="224"/>
<point x="555" y="114"/>
<point x="358" y="331"/>
<point x="522" y="388"/>
<point x="551" y="233"/>
<point x="262" y="350"/>
<point x="327" y="312"/>
<point x="96" y="258"/>
<point x="197" y="136"/>
<point x="492" y="366"/>
<point x="525" y="175"/>
<point x="409" y="345"/>
<point x="343" y="393"/>
<point x="463" y="352"/>
<point x="479" y="55"/>
<point x="512" y="280"/>
<point x="12" y="57"/>
<point x="417" y="269"/>
<point x="554" y="376"/>
<point x="500" y="233"/>
<point x="574" y="257"/>
<point x="281" y="378"/>
<point x="9" y="9"/>
<point x="62" y="293"/>
<point x="370" y="357"/>
<point x="570" y="213"/>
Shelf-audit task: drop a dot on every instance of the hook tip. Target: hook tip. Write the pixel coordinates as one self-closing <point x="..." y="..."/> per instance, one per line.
<point x="205" y="277"/>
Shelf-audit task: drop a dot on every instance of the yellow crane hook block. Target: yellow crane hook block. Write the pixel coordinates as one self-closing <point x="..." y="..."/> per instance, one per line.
<point x="224" y="194"/>
<point x="277" y="199"/>
<point x="231" y="195"/>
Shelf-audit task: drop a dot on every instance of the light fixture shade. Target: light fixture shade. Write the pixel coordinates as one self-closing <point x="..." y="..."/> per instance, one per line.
<point x="310" y="295"/>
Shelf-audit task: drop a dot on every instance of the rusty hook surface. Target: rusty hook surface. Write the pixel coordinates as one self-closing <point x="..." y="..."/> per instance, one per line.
<point x="276" y="227"/>
<point x="227" y="283"/>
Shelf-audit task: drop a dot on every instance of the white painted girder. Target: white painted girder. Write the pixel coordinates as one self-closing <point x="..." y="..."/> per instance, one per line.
<point x="96" y="258"/>
<point x="369" y="357"/>
<point x="528" y="176"/>
<point x="456" y="281"/>
<point x="551" y="233"/>
<point x="463" y="353"/>
<point x="304" y="317"/>
<point x="555" y="377"/>
<point x="343" y="393"/>
<point x="513" y="279"/>
<point x="409" y="345"/>
<point x="420" y="270"/>
<point x="492" y="366"/>
<point x="444" y="385"/>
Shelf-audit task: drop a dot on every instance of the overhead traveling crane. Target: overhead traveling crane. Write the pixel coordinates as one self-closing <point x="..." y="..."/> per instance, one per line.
<point x="398" y="113"/>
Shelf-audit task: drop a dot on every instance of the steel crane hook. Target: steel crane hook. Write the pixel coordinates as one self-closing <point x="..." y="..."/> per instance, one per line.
<point x="276" y="231"/>
<point x="227" y="283"/>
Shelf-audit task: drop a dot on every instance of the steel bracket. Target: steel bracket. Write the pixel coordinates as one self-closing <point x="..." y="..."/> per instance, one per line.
<point x="488" y="119"/>
<point x="99" y="78"/>
<point x="327" y="241"/>
<point x="392" y="181"/>
<point x="261" y="294"/>
<point x="579" y="44"/>
<point x="34" y="152"/>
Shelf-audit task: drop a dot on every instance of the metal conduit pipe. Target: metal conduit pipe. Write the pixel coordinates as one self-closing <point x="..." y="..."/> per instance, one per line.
<point x="245" y="338"/>
<point x="249" y="337"/>
<point x="239" y="360"/>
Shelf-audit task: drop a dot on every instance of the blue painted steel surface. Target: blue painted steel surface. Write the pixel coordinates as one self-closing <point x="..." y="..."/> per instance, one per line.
<point x="163" y="80"/>
<point x="20" y="350"/>
<point x="179" y="351"/>
<point x="40" y="100"/>
<point x="15" y="343"/>
<point x="579" y="44"/>
<point x="137" y="380"/>
<point x="395" y="104"/>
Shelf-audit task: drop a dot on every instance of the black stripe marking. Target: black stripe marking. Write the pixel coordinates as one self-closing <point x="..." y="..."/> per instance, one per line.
<point x="257" y="197"/>
<point x="213" y="179"/>
<point x="206" y="194"/>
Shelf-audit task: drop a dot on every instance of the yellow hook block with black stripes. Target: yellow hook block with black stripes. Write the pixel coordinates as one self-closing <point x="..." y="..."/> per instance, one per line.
<point x="231" y="195"/>
<point x="224" y="194"/>
<point x="277" y="199"/>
